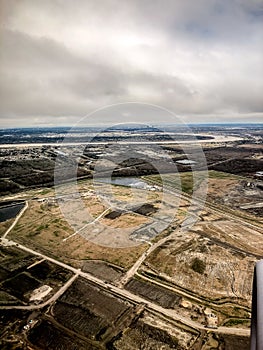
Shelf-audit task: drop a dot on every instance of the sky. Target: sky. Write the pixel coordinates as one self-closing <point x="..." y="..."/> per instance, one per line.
<point x="60" y="60"/>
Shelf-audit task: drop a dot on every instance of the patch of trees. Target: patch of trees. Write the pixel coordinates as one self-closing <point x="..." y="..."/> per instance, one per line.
<point x="198" y="265"/>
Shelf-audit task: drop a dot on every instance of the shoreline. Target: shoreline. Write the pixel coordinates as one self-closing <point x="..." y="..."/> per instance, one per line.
<point x="217" y="138"/>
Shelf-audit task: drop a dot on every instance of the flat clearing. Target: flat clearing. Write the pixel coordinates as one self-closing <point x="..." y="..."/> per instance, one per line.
<point x="19" y="268"/>
<point x="208" y="265"/>
<point x="47" y="336"/>
<point x="103" y="270"/>
<point x="226" y="253"/>
<point x="88" y="310"/>
<point x="43" y="228"/>
<point x="155" y="293"/>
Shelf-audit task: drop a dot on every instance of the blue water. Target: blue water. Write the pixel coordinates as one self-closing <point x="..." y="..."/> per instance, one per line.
<point x="10" y="211"/>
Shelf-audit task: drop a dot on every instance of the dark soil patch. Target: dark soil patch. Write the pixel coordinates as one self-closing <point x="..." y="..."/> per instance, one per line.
<point x="46" y="336"/>
<point x="20" y="285"/>
<point x="145" y="209"/>
<point x="46" y="270"/>
<point x="8" y="317"/>
<point x="231" y="342"/>
<point x="4" y="274"/>
<point x="79" y="319"/>
<point x="243" y="167"/>
<point x="102" y="270"/>
<point x="113" y="214"/>
<point x="155" y="293"/>
<point x="144" y="336"/>
<point x="85" y="295"/>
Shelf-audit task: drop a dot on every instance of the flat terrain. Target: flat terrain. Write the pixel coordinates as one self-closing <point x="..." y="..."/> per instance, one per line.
<point x="44" y="228"/>
<point x="137" y="266"/>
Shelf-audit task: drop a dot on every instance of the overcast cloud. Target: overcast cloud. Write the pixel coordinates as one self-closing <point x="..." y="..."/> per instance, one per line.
<point x="61" y="59"/>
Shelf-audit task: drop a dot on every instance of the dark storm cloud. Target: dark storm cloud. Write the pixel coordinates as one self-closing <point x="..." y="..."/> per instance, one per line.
<point x="64" y="59"/>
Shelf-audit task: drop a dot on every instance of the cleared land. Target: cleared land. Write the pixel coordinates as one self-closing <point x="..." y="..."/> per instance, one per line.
<point x="42" y="227"/>
<point x="21" y="273"/>
<point x="207" y="267"/>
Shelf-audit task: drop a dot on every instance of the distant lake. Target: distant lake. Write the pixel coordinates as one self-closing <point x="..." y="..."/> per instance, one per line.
<point x="9" y="210"/>
<point x="125" y="181"/>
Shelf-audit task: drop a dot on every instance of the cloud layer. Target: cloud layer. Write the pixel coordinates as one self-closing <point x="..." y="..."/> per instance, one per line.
<point x="59" y="60"/>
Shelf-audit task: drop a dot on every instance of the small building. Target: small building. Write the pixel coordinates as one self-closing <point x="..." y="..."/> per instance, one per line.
<point x="211" y="319"/>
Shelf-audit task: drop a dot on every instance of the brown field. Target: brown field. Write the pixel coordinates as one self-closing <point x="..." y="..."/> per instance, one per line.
<point x="43" y="228"/>
<point x="102" y="270"/>
<point x="234" y="234"/>
<point x="220" y="270"/>
<point x="126" y="220"/>
<point x="151" y="332"/>
<point x="219" y="187"/>
<point x="145" y="336"/>
<point x="5" y="225"/>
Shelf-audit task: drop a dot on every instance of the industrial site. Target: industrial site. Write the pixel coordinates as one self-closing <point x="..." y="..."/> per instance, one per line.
<point x="146" y="261"/>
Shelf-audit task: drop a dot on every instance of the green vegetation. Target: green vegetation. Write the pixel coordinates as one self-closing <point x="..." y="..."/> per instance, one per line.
<point x="184" y="181"/>
<point x="45" y="191"/>
<point x="213" y="174"/>
<point x="42" y="227"/>
<point x="38" y="230"/>
<point x="236" y="321"/>
<point x="187" y="183"/>
<point x="198" y="266"/>
<point x="179" y="181"/>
